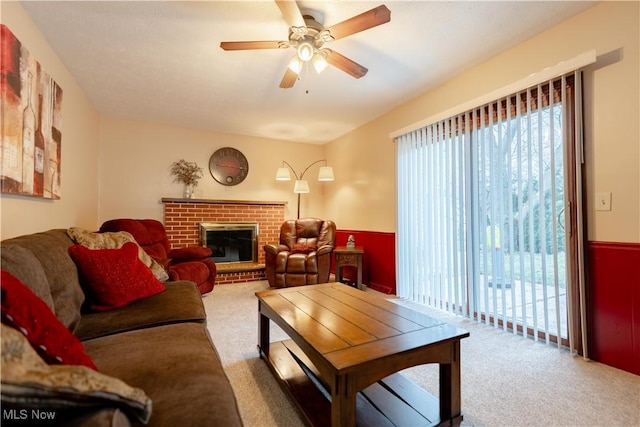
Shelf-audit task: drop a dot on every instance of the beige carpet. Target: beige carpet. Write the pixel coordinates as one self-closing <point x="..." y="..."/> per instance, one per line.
<point x="506" y="380"/>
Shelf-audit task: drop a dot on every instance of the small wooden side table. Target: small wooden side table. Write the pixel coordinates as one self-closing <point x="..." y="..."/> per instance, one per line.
<point x="349" y="257"/>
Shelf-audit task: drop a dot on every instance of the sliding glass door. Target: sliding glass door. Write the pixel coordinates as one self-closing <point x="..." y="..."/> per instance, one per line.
<point x="482" y="208"/>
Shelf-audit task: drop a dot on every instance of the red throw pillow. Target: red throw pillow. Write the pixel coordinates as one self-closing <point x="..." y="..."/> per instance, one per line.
<point x="24" y="311"/>
<point x="299" y="248"/>
<point x="114" y="277"/>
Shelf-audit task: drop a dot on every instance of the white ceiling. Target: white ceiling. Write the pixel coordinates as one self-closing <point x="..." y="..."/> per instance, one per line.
<point x="161" y="61"/>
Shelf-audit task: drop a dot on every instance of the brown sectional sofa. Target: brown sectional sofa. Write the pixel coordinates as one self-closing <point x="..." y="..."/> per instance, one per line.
<point x="159" y="344"/>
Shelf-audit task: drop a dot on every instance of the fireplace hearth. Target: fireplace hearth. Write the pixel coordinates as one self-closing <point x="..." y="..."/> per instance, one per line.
<point x="182" y="219"/>
<point x="231" y="242"/>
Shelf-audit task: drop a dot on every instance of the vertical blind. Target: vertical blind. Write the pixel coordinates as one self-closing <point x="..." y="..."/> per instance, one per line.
<point x="481" y="212"/>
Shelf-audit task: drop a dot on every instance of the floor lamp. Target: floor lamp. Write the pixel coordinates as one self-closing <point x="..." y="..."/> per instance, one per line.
<point x="301" y="185"/>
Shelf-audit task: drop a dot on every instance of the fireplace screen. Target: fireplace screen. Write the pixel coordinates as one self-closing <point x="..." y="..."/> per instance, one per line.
<point x="230" y="242"/>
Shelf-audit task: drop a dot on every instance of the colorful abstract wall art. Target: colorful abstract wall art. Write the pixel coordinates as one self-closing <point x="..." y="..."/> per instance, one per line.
<point x="31" y="127"/>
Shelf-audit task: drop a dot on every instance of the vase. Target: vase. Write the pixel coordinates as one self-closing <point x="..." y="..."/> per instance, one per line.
<point x="188" y="191"/>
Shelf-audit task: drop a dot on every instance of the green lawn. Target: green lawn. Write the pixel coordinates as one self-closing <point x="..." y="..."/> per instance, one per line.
<point x="533" y="272"/>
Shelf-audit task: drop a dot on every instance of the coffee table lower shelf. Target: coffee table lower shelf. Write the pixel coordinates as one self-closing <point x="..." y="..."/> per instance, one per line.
<point x="392" y="401"/>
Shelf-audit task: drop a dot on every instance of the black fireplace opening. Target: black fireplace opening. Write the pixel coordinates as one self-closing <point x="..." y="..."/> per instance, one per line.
<point x="230" y="242"/>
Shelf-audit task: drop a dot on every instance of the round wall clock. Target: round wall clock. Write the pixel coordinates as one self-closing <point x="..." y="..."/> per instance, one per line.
<point x="228" y="166"/>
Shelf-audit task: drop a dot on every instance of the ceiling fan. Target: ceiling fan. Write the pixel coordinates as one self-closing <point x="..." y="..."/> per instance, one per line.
<point x="308" y="37"/>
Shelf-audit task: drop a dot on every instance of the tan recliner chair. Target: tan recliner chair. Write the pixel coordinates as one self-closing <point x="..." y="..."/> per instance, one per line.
<point x="303" y="256"/>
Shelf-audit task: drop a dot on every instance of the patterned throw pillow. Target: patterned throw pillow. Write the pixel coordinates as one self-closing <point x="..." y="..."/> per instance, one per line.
<point x="114" y="277"/>
<point x="23" y="310"/>
<point x="28" y="382"/>
<point x="115" y="240"/>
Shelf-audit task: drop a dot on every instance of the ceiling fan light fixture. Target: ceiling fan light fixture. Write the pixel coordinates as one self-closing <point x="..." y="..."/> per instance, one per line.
<point x="320" y="62"/>
<point x="295" y="65"/>
<point x="308" y="36"/>
<point x="305" y="50"/>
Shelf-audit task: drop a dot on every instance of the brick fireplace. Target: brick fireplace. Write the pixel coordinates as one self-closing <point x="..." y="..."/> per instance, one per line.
<point x="182" y="218"/>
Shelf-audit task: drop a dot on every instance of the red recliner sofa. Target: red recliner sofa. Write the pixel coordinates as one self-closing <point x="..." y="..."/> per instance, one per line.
<point x="189" y="263"/>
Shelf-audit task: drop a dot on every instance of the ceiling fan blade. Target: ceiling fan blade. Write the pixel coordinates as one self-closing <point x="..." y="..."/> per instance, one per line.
<point x="364" y="21"/>
<point x="289" y="79"/>
<point x="254" y="45"/>
<point x="343" y="63"/>
<point x="291" y="13"/>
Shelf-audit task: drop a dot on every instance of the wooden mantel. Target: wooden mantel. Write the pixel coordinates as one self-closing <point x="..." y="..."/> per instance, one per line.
<point x="222" y="202"/>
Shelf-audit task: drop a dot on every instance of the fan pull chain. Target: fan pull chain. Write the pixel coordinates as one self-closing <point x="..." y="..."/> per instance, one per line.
<point x="307" y="77"/>
<point x="305" y="71"/>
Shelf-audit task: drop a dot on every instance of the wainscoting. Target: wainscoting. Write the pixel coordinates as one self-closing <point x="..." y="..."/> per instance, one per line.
<point x="614" y="304"/>
<point x="378" y="262"/>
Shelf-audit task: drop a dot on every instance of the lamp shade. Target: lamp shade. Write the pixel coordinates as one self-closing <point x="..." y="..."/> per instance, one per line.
<point x="326" y="174"/>
<point x="305" y="50"/>
<point x="295" y="65"/>
<point x="282" y="174"/>
<point x="319" y="62"/>
<point x="301" y="186"/>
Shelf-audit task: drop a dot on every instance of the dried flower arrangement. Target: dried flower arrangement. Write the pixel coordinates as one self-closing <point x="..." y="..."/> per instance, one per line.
<point x="185" y="172"/>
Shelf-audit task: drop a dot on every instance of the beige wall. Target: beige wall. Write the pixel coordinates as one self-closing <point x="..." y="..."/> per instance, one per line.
<point x="79" y="173"/>
<point x="365" y="158"/>
<point x="135" y="158"/>
<point x="364" y="165"/>
<point x="131" y="175"/>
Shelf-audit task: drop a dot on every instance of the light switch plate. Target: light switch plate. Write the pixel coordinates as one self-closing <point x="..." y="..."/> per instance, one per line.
<point x="603" y="201"/>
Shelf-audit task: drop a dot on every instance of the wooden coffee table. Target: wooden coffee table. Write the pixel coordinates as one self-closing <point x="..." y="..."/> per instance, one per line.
<point x="346" y="347"/>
